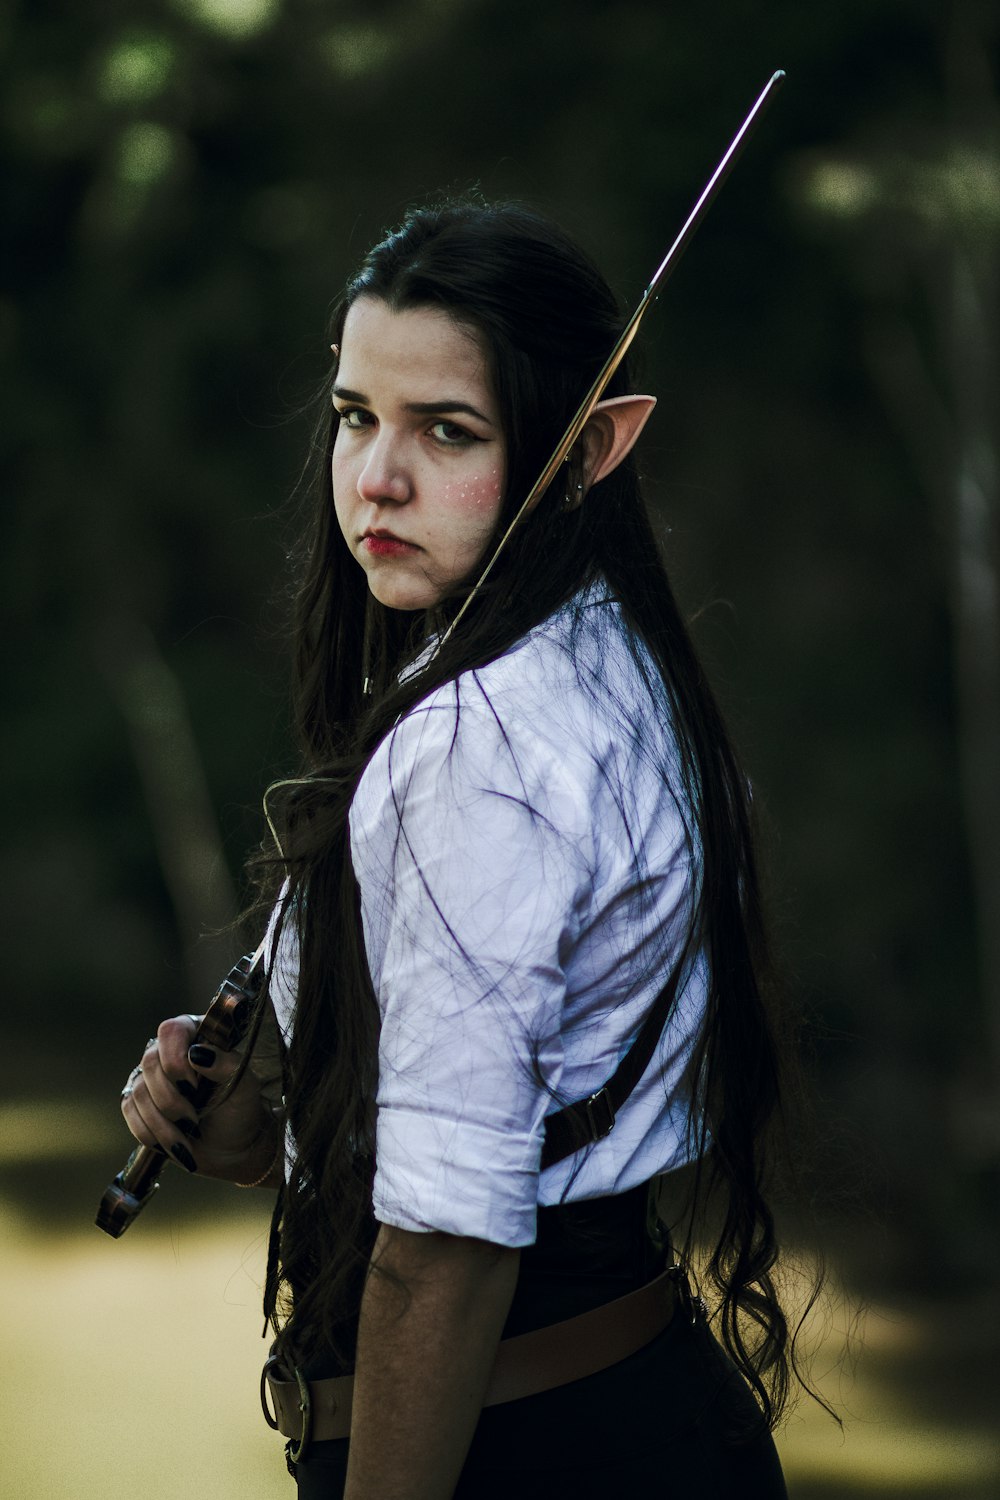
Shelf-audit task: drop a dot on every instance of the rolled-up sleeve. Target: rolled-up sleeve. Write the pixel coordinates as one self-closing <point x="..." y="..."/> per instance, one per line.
<point x="472" y="857"/>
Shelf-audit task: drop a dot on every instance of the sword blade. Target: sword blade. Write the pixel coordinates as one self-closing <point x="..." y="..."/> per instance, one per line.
<point x="586" y="408"/>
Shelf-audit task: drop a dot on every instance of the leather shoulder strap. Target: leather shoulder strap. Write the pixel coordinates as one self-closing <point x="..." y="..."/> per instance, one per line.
<point x="588" y="1120"/>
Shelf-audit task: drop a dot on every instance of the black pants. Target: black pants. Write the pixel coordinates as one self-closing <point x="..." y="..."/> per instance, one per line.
<point x="672" y="1421"/>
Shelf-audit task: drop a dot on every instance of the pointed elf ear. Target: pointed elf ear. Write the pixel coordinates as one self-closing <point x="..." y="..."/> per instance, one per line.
<point x="611" y="433"/>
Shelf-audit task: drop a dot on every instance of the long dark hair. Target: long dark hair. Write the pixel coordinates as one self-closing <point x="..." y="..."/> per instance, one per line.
<point x="546" y="321"/>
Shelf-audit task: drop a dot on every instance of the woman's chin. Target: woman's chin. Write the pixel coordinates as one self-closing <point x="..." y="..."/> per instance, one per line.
<point x="404" y="594"/>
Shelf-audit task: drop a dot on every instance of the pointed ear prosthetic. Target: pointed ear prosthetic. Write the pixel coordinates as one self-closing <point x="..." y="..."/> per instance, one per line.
<point x="611" y="433"/>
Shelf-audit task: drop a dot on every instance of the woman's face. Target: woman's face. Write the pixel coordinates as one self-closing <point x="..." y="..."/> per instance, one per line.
<point x="419" y="457"/>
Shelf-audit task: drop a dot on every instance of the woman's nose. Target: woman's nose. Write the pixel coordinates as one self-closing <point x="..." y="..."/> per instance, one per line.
<point x="384" y="475"/>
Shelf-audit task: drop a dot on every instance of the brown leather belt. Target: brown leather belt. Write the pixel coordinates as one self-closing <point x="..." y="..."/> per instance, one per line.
<point x="316" y="1410"/>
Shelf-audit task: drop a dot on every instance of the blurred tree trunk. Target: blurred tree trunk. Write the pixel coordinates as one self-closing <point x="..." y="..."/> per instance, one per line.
<point x="970" y="328"/>
<point x="939" y="216"/>
<point x="185" y="829"/>
<point x="953" y="438"/>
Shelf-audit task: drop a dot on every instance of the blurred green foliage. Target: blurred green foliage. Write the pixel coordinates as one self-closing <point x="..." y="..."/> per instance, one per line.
<point x="186" y="186"/>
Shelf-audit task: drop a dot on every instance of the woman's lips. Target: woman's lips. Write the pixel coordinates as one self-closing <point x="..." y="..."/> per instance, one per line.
<point x="387" y="546"/>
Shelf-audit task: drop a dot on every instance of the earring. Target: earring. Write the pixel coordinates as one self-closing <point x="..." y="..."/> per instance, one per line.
<point x="571" y="501"/>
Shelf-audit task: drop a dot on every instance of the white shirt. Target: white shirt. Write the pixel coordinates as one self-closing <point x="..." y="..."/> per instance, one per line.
<point x="497" y="835"/>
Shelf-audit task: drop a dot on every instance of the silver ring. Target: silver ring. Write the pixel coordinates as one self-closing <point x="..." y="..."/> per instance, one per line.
<point x="133" y="1079"/>
<point x="150" y="1044"/>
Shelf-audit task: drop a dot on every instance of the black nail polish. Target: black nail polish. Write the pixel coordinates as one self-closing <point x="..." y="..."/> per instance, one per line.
<point x="184" y="1156"/>
<point x="185" y="1089"/>
<point x="202" y="1057"/>
<point x="190" y="1128"/>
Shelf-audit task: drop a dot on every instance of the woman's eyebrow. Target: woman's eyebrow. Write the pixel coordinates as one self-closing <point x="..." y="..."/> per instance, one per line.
<point x="419" y="408"/>
<point x="428" y="409"/>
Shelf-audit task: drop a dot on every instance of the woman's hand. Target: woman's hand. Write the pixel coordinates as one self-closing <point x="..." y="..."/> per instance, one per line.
<point x="235" y="1139"/>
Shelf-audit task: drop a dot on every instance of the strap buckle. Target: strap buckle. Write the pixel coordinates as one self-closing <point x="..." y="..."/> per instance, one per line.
<point x="295" y="1448"/>
<point x="600" y="1114"/>
<point x="269" y="1417"/>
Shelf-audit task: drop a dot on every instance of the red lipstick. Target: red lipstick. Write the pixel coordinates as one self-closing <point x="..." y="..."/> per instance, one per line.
<point x="384" y="544"/>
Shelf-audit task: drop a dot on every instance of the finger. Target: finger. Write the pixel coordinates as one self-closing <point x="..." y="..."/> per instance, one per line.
<point x="173" y="1038"/>
<point x="212" y="1062"/>
<point x="171" y="1097"/>
<point x="153" y="1128"/>
<point x="134" y="1119"/>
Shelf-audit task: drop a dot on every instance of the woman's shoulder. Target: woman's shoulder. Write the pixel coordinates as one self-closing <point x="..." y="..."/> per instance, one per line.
<point x="581" y="682"/>
<point x="573" y="692"/>
<point x="575" y="671"/>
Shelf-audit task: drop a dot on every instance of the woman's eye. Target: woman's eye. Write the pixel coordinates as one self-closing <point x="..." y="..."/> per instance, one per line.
<point x="451" y="435"/>
<point x="352" y="417"/>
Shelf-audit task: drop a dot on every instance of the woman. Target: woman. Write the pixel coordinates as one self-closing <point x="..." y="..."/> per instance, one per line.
<point x="513" y="841"/>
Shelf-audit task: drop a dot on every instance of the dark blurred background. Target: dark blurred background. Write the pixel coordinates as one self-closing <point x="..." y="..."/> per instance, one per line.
<point x="186" y="185"/>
